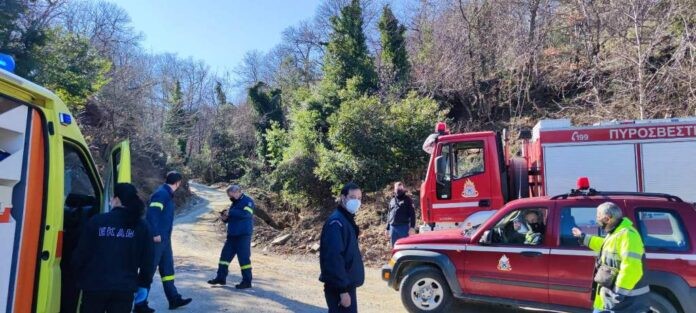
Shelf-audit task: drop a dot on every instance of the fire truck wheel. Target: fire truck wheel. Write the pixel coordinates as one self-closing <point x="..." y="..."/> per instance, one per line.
<point x="424" y="289"/>
<point x="660" y="304"/>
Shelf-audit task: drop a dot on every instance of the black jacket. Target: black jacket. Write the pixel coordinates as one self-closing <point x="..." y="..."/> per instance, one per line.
<point x="401" y="211"/>
<point x="114" y="254"/>
<point x="339" y="255"/>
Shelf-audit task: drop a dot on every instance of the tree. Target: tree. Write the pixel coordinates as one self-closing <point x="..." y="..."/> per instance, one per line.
<point x="347" y="55"/>
<point x="69" y="66"/>
<point x="9" y="18"/>
<point x="220" y="95"/>
<point x="268" y="105"/>
<point x="395" y="64"/>
<point x="178" y="121"/>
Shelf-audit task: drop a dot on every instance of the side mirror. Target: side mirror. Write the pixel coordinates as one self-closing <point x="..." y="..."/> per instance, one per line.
<point x="440" y="168"/>
<point x="486" y="239"/>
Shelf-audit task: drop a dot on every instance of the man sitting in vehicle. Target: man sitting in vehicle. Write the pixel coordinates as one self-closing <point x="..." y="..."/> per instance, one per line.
<point x="535" y="229"/>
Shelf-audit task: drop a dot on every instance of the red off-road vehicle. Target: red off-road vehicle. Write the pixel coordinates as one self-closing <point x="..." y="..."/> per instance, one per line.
<point x="431" y="270"/>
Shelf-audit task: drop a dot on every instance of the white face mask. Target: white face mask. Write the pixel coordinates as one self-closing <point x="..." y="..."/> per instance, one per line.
<point x="353" y="205"/>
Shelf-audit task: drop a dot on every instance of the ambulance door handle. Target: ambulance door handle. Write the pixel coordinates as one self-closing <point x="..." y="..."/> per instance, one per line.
<point x="484" y="203"/>
<point x="531" y="254"/>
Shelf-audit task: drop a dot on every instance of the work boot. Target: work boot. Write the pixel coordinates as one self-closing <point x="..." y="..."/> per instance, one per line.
<point x="243" y="285"/>
<point x="179" y="302"/>
<point x="142" y="308"/>
<point x="217" y="281"/>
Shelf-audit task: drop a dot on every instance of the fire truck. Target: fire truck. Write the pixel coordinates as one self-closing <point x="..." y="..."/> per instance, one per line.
<point x="49" y="187"/>
<point x="470" y="175"/>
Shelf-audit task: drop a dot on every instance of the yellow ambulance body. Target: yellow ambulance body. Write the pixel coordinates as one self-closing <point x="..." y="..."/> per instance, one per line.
<point x="49" y="188"/>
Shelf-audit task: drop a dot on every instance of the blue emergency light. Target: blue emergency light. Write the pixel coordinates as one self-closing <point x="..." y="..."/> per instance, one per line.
<point x="65" y="118"/>
<point x="7" y="62"/>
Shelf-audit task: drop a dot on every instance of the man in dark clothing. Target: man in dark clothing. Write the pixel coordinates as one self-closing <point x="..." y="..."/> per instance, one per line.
<point x="240" y="225"/>
<point x="114" y="255"/>
<point x="402" y="215"/>
<point x="160" y="216"/>
<point x="342" y="269"/>
<point x="534" y="226"/>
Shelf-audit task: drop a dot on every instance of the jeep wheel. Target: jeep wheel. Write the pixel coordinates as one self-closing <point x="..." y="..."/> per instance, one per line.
<point x="659" y="304"/>
<point x="425" y="290"/>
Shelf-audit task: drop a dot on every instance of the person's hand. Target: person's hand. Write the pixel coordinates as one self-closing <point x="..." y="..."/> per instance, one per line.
<point x="411" y="231"/>
<point x="577" y="232"/>
<point x="345" y="300"/>
<point x="140" y="295"/>
<point x="157" y="239"/>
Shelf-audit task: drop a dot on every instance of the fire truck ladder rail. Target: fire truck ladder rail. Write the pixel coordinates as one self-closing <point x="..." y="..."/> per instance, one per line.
<point x="592" y="192"/>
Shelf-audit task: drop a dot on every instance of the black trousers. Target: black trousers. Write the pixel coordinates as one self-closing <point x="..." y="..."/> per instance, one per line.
<point x="106" y="301"/>
<point x="333" y="298"/>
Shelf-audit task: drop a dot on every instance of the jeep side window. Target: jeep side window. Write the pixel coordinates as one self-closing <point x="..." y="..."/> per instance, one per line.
<point x="580" y="217"/>
<point x="661" y="230"/>
<point x="521" y="227"/>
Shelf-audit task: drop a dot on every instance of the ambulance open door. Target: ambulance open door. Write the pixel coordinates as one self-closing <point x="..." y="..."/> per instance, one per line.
<point x="119" y="171"/>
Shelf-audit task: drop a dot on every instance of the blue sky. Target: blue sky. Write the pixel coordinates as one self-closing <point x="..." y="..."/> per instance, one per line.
<point x="218" y="32"/>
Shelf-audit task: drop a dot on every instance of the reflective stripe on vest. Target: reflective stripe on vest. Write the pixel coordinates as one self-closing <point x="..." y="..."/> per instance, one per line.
<point x="632" y="293"/>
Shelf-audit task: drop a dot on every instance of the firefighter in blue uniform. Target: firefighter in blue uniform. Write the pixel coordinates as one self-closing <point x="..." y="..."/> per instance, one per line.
<point x="160" y="216"/>
<point x="240" y="225"/>
<point x="342" y="269"/>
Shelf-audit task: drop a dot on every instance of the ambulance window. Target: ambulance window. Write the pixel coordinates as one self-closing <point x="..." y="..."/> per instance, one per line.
<point x="79" y="185"/>
<point x="468" y="159"/>
<point x="583" y="218"/>
<point x="661" y="230"/>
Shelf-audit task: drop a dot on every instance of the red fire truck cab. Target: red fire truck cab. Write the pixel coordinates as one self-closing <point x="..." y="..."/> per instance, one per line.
<point x="473" y="172"/>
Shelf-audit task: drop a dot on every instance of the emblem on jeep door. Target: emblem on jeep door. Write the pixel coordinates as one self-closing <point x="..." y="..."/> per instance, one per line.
<point x="504" y="264"/>
<point x="469" y="189"/>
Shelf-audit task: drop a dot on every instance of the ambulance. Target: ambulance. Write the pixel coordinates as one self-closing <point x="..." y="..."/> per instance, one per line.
<point x="49" y="188"/>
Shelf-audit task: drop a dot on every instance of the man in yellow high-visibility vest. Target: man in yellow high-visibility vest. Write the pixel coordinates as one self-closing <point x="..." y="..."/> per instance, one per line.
<point x="618" y="281"/>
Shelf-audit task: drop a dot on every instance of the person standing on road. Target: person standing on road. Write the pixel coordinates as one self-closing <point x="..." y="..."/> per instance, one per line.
<point x="402" y="215"/>
<point x="618" y="280"/>
<point x="113" y="258"/>
<point x="160" y="216"/>
<point x="240" y="226"/>
<point x="342" y="269"/>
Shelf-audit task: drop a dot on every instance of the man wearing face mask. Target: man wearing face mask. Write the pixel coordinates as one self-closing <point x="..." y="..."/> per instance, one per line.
<point x="402" y="215"/>
<point x="618" y="280"/>
<point x="240" y="225"/>
<point x="160" y="216"/>
<point x="342" y="269"/>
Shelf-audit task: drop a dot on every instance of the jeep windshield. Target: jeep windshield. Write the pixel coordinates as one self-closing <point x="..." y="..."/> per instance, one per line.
<point x="474" y="221"/>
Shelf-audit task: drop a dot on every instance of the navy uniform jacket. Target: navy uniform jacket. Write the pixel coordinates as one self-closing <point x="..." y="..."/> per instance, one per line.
<point x="160" y="212"/>
<point x="340" y="260"/>
<point x="240" y="220"/>
<point x="111" y="251"/>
